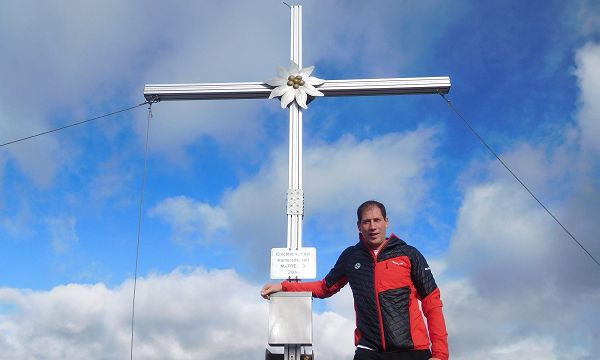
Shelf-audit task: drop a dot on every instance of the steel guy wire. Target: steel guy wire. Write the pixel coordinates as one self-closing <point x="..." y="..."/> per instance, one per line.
<point x="491" y="150"/>
<point x="75" y="124"/>
<point x="139" y="229"/>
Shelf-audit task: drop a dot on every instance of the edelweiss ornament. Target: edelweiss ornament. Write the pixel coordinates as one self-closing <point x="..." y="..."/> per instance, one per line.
<point x="295" y="84"/>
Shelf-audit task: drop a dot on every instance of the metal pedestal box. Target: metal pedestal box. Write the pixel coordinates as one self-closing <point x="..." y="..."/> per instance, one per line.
<point x="290" y="319"/>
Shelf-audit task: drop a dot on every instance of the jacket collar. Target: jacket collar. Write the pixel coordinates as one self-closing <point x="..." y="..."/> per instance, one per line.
<point x="390" y="241"/>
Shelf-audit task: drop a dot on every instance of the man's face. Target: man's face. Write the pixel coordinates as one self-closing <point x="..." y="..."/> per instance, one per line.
<point x="373" y="226"/>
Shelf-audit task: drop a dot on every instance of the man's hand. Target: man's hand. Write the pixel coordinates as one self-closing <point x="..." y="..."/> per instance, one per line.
<point x="434" y="359"/>
<point x="269" y="289"/>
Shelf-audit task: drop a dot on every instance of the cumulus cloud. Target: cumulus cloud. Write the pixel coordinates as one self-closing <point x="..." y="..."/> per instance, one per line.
<point x="38" y="158"/>
<point x="588" y="74"/>
<point x="521" y="324"/>
<point x="66" y="55"/>
<point x="191" y="221"/>
<point x="512" y="265"/>
<point x="187" y="314"/>
<point x="194" y="313"/>
<point x="333" y="336"/>
<point x="89" y="55"/>
<point x="190" y="313"/>
<point x="337" y="177"/>
<point x="520" y="271"/>
<point x="391" y="167"/>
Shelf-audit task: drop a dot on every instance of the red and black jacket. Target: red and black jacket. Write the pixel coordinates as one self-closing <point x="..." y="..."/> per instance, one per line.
<point x="386" y="289"/>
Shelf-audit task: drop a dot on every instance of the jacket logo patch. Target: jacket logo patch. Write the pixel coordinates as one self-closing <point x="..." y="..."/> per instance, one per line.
<point x="357" y="266"/>
<point x="397" y="263"/>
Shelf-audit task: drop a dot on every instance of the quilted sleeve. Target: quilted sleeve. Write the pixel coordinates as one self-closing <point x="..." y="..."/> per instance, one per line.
<point x="331" y="284"/>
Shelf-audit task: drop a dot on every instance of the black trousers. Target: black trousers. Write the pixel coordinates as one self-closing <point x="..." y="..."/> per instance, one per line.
<point x="364" y="354"/>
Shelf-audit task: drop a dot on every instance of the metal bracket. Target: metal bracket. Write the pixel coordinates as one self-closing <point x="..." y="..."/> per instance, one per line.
<point x="295" y="202"/>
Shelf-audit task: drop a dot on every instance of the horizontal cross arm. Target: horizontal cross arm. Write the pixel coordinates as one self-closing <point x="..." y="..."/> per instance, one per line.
<point x="208" y="91"/>
<point x="260" y="90"/>
<point x="391" y="86"/>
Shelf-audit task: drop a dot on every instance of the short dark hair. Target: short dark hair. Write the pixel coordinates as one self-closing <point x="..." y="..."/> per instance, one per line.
<point x="369" y="204"/>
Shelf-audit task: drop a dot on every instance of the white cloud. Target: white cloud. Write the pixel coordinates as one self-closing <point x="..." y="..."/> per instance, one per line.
<point x="521" y="324"/>
<point x="190" y="313"/>
<point x="516" y="285"/>
<point x="333" y="336"/>
<point x="337" y="177"/>
<point x="192" y="222"/>
<point x="38" y="158"/>
<point x="177" y="126"/>
<point x="63" y="233"/>
<point x="362" y="37"/>
<point x="529" y="349"/>
<point x="520" y="271"/>
<point x="392" y="168"/>
<point x="66" y="54"/>
<point x="77" y="49"/>
<point x="89" y="54"/>
<point x="588" y="74"/>
<point x="187" y="314"/>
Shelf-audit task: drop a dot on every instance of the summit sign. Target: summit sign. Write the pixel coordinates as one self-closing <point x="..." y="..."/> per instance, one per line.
<point x="294" y="264"/>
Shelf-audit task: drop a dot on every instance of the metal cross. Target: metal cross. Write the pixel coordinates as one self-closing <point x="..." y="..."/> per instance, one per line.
<point x="260" y="90"/>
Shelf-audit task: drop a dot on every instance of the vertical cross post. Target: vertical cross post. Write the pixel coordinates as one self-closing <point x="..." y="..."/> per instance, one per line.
<point x="295" y="192"/>
<point x="295" y="195"/>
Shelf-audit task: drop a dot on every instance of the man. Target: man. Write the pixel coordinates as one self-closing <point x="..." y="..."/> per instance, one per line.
<point x="387" y="277"/>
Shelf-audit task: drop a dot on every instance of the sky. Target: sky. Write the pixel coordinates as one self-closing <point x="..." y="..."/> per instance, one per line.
<point x="514" y="285"/>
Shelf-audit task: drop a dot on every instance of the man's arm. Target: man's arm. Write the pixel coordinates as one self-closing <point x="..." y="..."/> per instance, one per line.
<point x="436" y="324"/>
<point x="319" y="289"/>
<point x="431" y="303"/>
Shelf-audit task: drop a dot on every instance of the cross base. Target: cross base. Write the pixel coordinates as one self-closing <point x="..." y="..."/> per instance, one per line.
<point x="270" y="356"/>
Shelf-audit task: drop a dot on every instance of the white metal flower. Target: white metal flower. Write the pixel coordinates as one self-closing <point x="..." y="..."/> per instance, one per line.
<point x="295" y="84"/>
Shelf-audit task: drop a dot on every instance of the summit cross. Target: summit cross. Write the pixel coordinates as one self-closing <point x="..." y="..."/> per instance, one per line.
<point x="264" y="90"/>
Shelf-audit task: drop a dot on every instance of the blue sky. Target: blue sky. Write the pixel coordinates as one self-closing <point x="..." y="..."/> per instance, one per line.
<point x="524" y="73"/>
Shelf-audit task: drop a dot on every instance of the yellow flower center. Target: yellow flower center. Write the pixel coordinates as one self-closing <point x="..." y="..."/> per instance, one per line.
<point x="295" y="81"/>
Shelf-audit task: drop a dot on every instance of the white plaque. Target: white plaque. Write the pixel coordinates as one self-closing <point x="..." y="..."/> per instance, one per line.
<point x="295" y="264"/>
